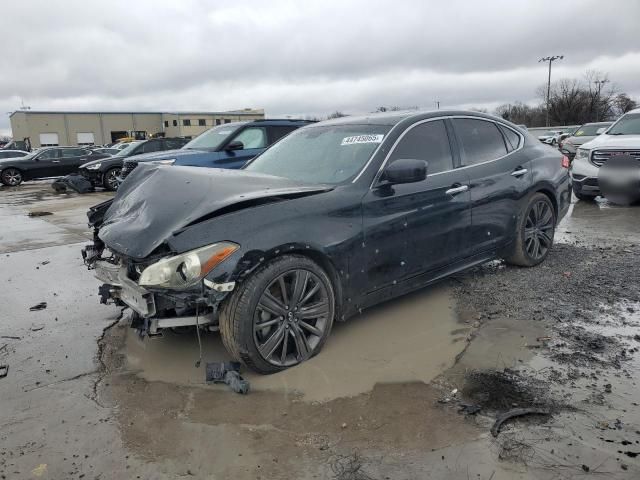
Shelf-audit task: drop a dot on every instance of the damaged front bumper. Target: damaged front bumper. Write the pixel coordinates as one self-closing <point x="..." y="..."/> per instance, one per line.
<point x="155" y="309"/>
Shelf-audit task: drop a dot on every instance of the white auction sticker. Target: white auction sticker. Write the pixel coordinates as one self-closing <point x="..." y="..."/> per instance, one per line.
<point x="362" y="139"/>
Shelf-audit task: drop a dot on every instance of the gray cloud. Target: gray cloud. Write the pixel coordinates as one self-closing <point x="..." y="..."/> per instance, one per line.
<point x="308" y="57"/>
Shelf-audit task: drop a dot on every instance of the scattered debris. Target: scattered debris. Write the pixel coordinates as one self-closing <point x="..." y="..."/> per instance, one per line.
<point x="37" y="328"/>
<point x="229" y="373"/>
<point x="46" y="262"/>
<point x="516" y="412"/>
<point x="469" y="409"/>
<point x="39" y="214"/>
<point x="348" y="467"/>
<point x="4" y="370"/>
<point x="39" y="306"/>
<point x="10" y="337"/>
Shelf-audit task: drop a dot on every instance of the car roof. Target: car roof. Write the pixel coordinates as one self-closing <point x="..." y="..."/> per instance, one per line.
<point x="393" y="118"/>
<point x="597" y="123"/>
<point x="280" y="122"/>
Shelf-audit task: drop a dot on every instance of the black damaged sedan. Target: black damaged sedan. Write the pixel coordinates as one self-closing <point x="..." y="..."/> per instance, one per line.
<point x="336" y="217"/>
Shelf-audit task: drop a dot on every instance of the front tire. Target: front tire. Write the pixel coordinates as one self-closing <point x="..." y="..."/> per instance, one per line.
<point x="280" y="316"/>
<point x="536" y="228"/>
<point x="11" y="177"/>
<point x="110" y="179"/>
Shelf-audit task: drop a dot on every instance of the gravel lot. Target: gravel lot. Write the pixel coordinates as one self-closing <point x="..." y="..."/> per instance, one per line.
<point x="407" y="390"/>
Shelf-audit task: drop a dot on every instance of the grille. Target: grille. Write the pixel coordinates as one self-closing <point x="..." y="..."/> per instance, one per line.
<point x="598" y="157"/>
<point x="127" y="168"/>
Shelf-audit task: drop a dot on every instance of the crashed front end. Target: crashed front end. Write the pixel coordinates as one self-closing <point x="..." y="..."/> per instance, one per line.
<point x="162" y="291"/>
<point x="140" y="254"/>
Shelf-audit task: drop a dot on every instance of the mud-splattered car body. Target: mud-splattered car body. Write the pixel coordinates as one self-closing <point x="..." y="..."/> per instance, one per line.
<point x="374" y="239"/>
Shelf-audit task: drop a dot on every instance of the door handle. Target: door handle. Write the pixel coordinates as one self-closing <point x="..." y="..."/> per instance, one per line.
<point x="456" y="190"/>
<point x="55" y="161"/>
<point x="518" y="172"/>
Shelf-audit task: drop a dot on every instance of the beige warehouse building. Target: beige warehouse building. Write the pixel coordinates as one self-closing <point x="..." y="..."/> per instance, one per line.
<point x="44" y="128"/>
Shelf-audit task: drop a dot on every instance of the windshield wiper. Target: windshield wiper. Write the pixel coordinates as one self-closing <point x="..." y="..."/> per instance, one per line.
<point x="618" y="133"/>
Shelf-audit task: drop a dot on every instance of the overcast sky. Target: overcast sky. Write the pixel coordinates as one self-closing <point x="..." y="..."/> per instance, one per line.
<point x="305" y="57"/>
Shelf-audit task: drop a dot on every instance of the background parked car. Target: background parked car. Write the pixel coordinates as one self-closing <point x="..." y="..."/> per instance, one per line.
<point x="105" y="172"/>
<point x="584" y="134"/>
<point x="12" y="153"/>
<point x="226" y="146"/>
<point x="43" y="163"/>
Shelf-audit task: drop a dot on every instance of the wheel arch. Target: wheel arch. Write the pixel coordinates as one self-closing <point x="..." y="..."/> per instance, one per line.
<point x="549" y="191"/>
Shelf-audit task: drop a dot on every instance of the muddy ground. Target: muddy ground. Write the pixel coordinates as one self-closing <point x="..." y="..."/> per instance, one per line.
<point x="407" y="390"/>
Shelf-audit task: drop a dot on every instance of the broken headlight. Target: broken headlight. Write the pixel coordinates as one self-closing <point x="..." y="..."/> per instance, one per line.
<point x="187" y="269"/>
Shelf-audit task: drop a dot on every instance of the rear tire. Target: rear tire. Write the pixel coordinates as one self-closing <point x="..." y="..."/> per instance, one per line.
<point x="535" y="231"/>
<point x="11" y="177"/>
<point x="300" y="306"/>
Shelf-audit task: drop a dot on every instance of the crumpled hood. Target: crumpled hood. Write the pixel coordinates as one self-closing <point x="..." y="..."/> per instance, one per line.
<point x="605" y="141"/>
<point x="157" y="200"/>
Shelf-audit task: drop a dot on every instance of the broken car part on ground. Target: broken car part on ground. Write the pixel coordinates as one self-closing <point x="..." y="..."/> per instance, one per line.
<point x="377" y="207"/>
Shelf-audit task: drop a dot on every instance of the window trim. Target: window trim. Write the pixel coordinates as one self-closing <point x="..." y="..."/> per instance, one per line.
<point x="462" y="166"/>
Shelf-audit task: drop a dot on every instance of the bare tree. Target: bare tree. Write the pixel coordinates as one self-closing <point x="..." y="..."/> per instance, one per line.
<point x="622" y="103"/>
<point x="336" y="114"/>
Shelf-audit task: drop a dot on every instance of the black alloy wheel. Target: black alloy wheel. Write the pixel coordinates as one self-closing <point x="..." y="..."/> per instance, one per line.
<point x="535" y="231"/>
<point x="291" y="318"/>
<point x="11" y="177"/>
<point x="279" y="316"/>
<point x="110" y="179"/>
<point x="539" y="229"/>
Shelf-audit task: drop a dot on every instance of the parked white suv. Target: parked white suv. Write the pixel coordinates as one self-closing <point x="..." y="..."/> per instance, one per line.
<point x="623" y="137"/>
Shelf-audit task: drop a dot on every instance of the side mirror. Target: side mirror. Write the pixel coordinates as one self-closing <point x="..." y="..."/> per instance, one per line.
<point x="235" y="145"/>
<point x="405" y="170"/>
<point x="601" y="130"/>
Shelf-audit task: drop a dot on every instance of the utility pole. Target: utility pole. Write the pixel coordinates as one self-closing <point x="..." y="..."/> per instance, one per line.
<point x="551" y="59"/>
<point x="438" y="104"/>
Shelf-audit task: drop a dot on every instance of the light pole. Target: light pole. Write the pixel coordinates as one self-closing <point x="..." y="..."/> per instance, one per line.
<point x="600" y="85"/>
<point x="550" y="60"/>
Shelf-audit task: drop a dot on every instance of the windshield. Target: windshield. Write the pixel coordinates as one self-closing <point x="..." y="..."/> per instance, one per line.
<point x="331" y="154"/>
<point x="627" y="125"/>
<point x="590" y="130"/>
<point x="212" y="139"/>
<point x="128" y="149"/>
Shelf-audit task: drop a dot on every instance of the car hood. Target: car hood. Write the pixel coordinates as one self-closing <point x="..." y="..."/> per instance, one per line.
<point x="165" y="155"/>
<point x="614" y="141"/>
<point x="577" y="141"/>
<point x="157" y="201"/>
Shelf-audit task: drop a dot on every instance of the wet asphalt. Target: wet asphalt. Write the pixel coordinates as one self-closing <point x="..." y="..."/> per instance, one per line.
<point x="83" y="400"/>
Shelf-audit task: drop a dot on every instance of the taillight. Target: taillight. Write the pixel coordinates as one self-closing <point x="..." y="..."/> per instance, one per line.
<point x="565" y="161"/>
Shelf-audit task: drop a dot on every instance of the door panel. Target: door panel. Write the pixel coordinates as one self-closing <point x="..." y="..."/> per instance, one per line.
<point x="416" y="227"/>
<point x="46" y="164"/>
<point x="70" y="160"/>
<point x="498" y="181"/>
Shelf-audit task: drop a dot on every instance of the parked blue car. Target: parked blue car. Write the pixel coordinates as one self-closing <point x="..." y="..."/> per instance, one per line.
<point x="229" y="145"/>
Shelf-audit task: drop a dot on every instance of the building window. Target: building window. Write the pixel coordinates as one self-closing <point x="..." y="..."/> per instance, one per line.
<point x="175" y="123"/>
<point x="218" y="121"/>
<point x="226" y="120"/>
<point x="202" y="122"/>
<point x="186" y="122"/>
<point x="166" y="123"/>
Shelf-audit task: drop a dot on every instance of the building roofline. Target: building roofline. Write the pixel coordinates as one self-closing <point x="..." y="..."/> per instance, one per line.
<point x="119" y="112"/>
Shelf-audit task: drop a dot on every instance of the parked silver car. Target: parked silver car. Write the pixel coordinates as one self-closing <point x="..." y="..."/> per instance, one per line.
<point x="584" y="134"/>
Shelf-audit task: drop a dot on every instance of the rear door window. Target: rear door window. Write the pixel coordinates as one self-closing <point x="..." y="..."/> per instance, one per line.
<point x="277" y="132"/>
<point x="174" y="143"/>
<point x="428" y="141"/>
<point x="480" y="140"/>
<point x="49" y="154"/>
<point x="150" y="146"/>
